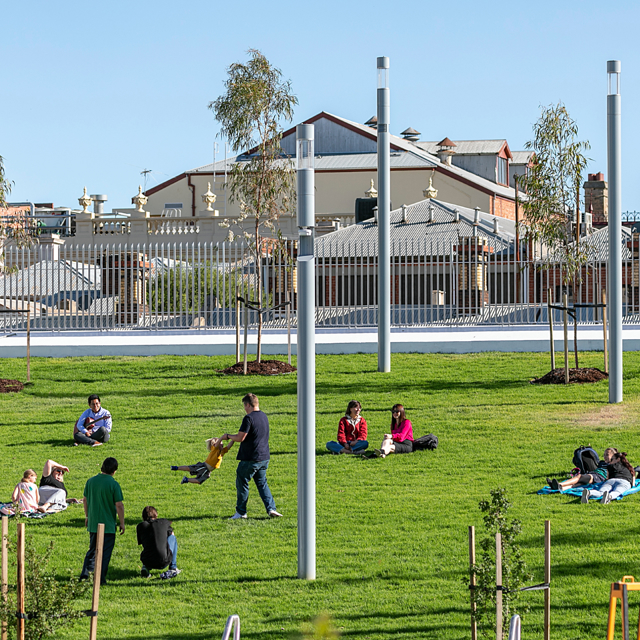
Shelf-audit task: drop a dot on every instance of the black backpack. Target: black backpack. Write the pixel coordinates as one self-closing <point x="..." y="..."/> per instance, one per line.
<point x="586" y="459"/>
<point x="426" y="442"/>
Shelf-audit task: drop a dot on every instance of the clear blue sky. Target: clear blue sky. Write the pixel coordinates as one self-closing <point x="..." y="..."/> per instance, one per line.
<point x="93" y="93"/>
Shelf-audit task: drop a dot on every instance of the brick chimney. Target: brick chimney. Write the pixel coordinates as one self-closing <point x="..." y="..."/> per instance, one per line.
<point x="596" y="199"/>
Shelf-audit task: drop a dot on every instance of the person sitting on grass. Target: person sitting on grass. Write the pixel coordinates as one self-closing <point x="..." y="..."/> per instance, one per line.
<point x="621" y="479"/>
<point x="400" y="440"/>
<point x="159" y="545"/>
<point x="593" y="477"/>
<point x="202" y="470"/>
<point x="352" y="431"/>
<point x="25" y="496"/>
<point x="94" y="425"/>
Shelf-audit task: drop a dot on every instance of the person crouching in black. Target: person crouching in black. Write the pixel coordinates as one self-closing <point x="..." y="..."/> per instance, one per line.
<point x="159" y="544"/>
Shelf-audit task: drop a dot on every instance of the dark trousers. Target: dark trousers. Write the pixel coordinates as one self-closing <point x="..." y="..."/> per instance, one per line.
<point x="90" y="558"/>
<point x="99" y="435"/>
<point x="406" y="446"/>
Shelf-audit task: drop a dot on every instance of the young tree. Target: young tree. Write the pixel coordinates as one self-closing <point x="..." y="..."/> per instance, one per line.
<point x="553" y="186"/>
<point x="15" y="226"/>
<point x="250" y="112"/>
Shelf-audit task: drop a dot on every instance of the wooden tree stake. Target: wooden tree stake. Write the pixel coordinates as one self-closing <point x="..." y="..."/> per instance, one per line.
<point x="566" y="339"/>
<point x="288" y="308"/>
<point x="5" y="571"/>
<point x="237" y="326"/>
<point x="246" y="331"/>
<point x="498" y="586"/>
<point x="20" y="584"/>
<point x="472" y="581"/>
<point x="95" y="600"/>
<point x="29" y="342"/>
<point x="604" y="330"/>
<point x="547" y="579"/>
<point x="550" y="318"/>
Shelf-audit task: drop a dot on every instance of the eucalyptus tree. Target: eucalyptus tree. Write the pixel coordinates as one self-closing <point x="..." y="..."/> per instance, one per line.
<point x="552" y="187"/>
<point x="14" y="226"/>
<point x="262" y="181"/>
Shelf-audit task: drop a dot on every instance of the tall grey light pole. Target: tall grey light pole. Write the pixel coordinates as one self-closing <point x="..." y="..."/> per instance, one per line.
<point x="384" y="219"/>
<point x="614" y="275"/>
<point x="306" y="355"/>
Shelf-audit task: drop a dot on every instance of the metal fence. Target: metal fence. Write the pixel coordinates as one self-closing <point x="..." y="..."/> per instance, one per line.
<point x="470" y="281"/>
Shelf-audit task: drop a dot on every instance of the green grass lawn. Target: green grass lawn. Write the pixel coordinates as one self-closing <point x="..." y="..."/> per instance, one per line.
<point x="391" y="534"/>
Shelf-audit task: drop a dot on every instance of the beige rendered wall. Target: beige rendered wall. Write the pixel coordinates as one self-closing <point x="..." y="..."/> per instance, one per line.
<point x="336" y="192"/>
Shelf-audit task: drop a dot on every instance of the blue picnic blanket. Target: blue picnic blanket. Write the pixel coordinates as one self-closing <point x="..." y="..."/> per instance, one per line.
<point x="577" y="491"/>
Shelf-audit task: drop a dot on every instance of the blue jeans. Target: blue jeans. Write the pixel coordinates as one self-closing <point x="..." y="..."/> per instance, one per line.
<point x="173" y="545"/>
<point x="90" y="558"/>
<point x="258" y="471"/>
<point x="616" y="487"/>
<point x="336" y="447"/>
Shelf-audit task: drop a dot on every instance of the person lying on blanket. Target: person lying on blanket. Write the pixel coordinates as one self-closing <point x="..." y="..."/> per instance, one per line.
<point x="621" y="478"/>
<point x="593" y="477"/>
<point x="53" y="493"/>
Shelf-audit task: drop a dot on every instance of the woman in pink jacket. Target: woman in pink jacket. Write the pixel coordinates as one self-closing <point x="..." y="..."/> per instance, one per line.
<point x="352" y="431"/>
<point x="400" y="440"/>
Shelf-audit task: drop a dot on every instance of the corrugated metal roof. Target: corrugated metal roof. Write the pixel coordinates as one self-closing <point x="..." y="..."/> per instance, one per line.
<point x="47" y="278"/>
<point x="472" y="147"/>
<point x="401" y="144"/>
<point x="521" y="157"/>
<point x="596" y="244"/>
<point x="362" y="238"/>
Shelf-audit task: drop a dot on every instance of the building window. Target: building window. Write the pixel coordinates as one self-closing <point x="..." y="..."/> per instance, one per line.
<point x="503" y="170"/>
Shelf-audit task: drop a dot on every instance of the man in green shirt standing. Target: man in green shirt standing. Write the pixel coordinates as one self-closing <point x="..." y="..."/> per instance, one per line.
<point x="102" y="502"/>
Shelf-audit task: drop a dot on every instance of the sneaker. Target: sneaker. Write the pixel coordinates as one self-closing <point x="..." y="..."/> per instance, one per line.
<point x="174" y="467"/>
<point x="184" y="480"/>
<point x="554" y="484"/>
<point x="96" y="444"/>
<point x="585" y="496"/>
<point x="606" y="498"/>
<point x="170" y="573"/>
<point x="84" y="576"/>
<point x="237" y="516"/>
<point x="144" y="572"/>
<point x="274" y="514"/>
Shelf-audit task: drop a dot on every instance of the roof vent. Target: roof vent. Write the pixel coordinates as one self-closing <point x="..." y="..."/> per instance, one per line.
<point x="411" y="134"/>
<point x="372" y="122"/>
<point x="375" y="215"/>
<point x="98" y="203"/>
<point x="496" y="225"/>
<point x="404" y="213"/>
<point x="430" y="213"/>
<point x="456" y="215"/>
<point x="446" y="149"/>
<point x="476" y="216"/>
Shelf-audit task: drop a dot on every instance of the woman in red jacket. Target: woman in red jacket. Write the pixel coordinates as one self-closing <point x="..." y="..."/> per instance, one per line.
<point x="400" y="440"/>
<point x="352" y="431"/>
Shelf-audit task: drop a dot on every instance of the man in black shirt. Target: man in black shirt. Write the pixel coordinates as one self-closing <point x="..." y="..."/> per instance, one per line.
<point x="159" y="544"/>
<point x="253" y="457"/>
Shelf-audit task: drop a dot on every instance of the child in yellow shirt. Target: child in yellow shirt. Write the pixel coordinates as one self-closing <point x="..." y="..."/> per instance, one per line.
<point x="202" y="470"/>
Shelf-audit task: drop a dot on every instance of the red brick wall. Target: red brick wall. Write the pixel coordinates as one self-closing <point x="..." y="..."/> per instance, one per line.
<point x="504" y="208"/>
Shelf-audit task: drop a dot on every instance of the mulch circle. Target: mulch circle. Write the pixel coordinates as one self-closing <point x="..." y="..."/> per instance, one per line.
<point x="264" y="368"/>
<point x="580" y="376"/>
<point x="10" y="386"/>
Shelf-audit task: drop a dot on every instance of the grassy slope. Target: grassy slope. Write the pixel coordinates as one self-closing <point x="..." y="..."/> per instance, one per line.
<point x="391" y="534"/>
